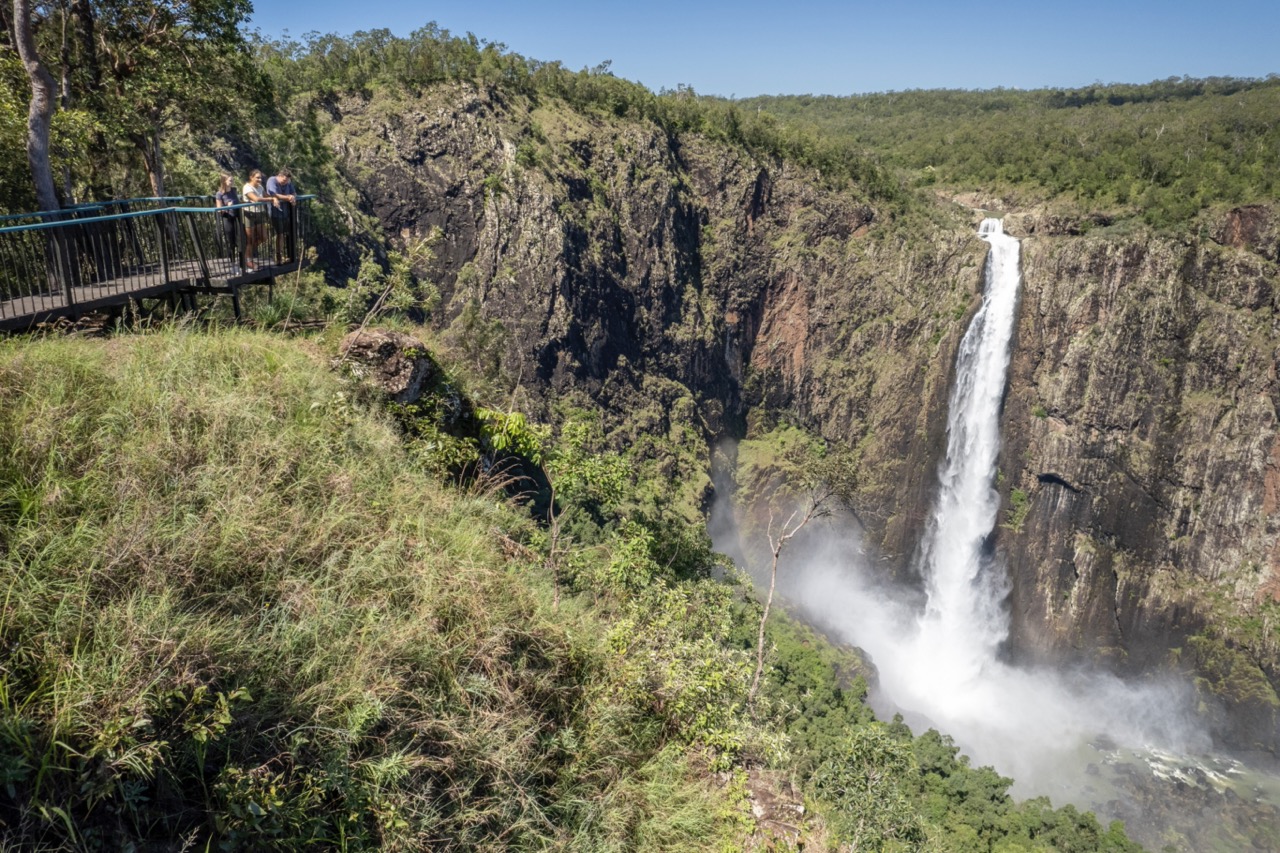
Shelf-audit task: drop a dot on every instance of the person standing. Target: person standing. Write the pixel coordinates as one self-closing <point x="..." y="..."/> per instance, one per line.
<point x="229" y="223"/>
<point x="284" y="195"/>
<point x="255" y="229"/>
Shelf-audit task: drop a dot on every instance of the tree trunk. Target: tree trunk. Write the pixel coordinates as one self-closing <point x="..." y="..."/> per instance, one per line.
<point x="149" y="145"/>
<point x="817" y="506"/>
<point x="40" y="114"/>
<point x="764" y="617"/>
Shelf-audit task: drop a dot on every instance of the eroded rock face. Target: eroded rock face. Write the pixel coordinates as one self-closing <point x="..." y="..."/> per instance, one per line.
<point x="1251" y="227"/>
<point x="679" y="283"/>
<point x="676" y="282"/>
<point x="393" y="361"/>
<point x="1141" y="424"/>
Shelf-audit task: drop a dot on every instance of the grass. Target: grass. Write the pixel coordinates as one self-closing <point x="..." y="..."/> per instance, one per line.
<point x="234" y="613"/>
<point x="238" y="613"/>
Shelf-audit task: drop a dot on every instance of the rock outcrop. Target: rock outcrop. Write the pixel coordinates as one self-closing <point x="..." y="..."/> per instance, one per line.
<point x="395" y="363"/>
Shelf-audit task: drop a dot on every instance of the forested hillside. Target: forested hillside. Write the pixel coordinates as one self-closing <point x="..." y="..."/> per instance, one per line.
<point x="1161" y="151"/>
<point x="256" y="601"/>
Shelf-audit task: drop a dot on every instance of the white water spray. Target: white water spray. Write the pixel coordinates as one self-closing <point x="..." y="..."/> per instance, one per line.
<point x="1054" y="732"/>
<point x="963" y="623"/>
<point x="940" y="666"/>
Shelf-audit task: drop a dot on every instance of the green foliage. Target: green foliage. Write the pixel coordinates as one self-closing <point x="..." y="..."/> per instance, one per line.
<point x="370" y="61"/>
<point x="505" y="433"/>
<point x="865" y="785"/>
<point x="670" y="654"/>
<point x="787" y="466"/>
<point x="1163" y="150"/>
<point x="376" y="291"/>
<point x="818" y="688"/>
<point x="1229" y="674"/>
<point x="480" y="341"/>
<point x="189" y="521"/>
<point x="585" y="475"/>
<point x="1019" y="507"/>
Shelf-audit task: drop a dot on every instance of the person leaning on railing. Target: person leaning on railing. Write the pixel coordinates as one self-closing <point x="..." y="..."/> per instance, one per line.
<point x="256" y="230"/>
<point x="229" y="222"/>
<point x="281" y="190"/>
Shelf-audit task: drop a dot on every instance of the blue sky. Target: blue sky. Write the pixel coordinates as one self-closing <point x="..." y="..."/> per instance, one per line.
<point x="807" y="46"/>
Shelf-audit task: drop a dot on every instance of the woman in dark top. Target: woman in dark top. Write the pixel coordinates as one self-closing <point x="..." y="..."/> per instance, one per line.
<point x="229" y="221"/>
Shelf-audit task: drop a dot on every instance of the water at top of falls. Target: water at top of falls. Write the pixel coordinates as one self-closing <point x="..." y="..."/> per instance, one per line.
<point x="963" y="623"/>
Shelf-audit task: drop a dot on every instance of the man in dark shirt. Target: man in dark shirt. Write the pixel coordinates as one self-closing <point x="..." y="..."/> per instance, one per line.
<point x="280" y="187"/>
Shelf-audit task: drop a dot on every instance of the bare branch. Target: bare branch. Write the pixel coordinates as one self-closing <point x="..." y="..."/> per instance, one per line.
<point x="817" y="507"/>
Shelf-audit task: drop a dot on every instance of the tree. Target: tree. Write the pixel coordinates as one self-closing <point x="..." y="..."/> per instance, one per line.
<point x="40" y="111"/>
<point x="171" y="61"/>
<point x="864" y="783"/>
<point x="816" y="507"/>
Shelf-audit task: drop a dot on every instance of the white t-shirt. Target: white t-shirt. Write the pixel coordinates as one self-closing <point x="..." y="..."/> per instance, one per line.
<point x="260" y="192"/>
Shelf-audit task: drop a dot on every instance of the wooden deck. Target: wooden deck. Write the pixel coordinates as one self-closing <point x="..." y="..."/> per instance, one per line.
<point x="185" y="277"/>
<point x="71" y="265"/>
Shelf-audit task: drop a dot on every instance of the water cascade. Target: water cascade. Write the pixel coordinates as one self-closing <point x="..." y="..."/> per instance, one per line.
<point x="1130" y="750"/>
<point x="963" y="623"/>
<point x="944" y="670"/>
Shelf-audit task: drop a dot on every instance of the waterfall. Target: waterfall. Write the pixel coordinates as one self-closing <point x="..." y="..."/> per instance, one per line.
<point x="944" y="665"/>
<point x="963" y="623"/>
<point x="1077" y="735"/>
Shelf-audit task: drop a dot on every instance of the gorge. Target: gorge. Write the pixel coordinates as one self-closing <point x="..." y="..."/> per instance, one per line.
<point x="1136" y="468"/>
<point x="425" y="557"/>
<point x="1134" y="476"/>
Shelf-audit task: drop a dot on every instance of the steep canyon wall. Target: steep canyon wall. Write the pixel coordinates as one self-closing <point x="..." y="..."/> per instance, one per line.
<point x="691" y="290"/>
<point x="676" y="280"/>
<point x="1141" y="439"/>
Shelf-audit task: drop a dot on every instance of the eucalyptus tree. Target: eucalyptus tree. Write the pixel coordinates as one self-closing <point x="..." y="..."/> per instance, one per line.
<point x="41" y="105"/>
<point x="125" y="73"/>
<point x="171" y="63"/>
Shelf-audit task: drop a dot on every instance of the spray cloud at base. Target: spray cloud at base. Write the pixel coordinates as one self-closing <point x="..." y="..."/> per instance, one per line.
<point x="937" y="648"/>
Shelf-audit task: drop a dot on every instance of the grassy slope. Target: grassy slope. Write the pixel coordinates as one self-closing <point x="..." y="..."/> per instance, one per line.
<point x="236" y="612"/>
<point x="233" y="610"/>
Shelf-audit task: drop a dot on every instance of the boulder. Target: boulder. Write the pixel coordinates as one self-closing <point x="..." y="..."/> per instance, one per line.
<point x="397" y="363"/>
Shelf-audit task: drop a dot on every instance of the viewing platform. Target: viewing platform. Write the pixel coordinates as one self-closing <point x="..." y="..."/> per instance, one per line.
<point x="91" y="257"/>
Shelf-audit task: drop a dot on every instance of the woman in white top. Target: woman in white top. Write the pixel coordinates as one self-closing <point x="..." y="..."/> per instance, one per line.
<point x="255" y="229"/>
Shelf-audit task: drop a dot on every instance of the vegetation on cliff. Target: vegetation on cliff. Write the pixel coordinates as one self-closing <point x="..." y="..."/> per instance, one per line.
<point x="1161" y="151"/>
<point x="241" y="609"/>
<point x="246" y="601"/>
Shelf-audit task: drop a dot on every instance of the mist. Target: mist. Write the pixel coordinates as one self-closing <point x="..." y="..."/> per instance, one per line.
<point x="1039" y="725"/>
<point x="1075" y="735"/>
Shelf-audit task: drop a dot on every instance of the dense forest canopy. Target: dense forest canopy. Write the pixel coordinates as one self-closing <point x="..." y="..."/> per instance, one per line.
<point x="138" y="91"/>
<point x="1163" y="150"/>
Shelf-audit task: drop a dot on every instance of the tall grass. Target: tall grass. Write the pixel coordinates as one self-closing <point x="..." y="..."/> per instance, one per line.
<point x="234" y="614"/>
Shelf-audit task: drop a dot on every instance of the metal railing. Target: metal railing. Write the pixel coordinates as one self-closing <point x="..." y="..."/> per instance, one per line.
<point x="92" y="209"/>
<point x="66" y="262"/>
<point x="246" y="238"/>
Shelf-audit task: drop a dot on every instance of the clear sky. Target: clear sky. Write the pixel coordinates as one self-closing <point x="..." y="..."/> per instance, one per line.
<point x="823" y="47"/>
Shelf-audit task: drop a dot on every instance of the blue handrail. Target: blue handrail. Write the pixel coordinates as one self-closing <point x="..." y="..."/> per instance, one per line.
<point x="133" y="214"/>
<point x="75" y="261"/>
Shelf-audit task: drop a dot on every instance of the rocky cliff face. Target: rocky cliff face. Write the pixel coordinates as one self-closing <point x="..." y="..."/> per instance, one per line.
<point x="1141" y="457"/>
<point x="676" y="282"/>
<point x="692" y="292"/>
